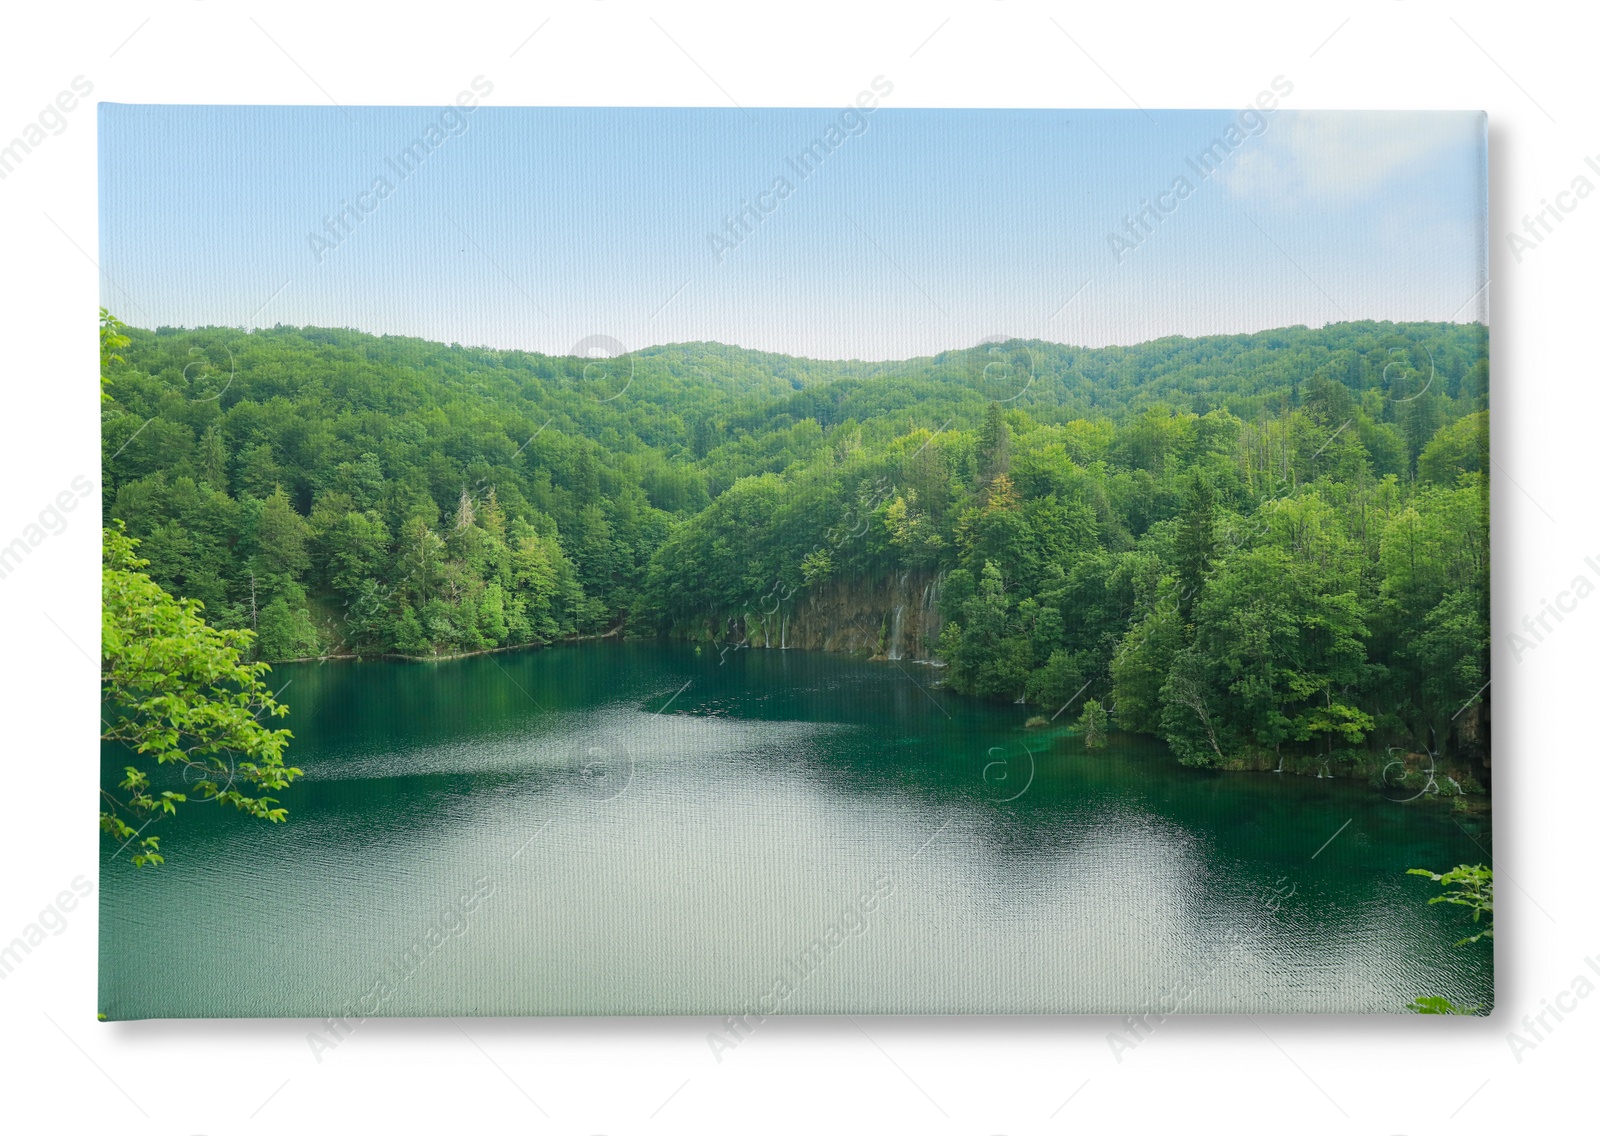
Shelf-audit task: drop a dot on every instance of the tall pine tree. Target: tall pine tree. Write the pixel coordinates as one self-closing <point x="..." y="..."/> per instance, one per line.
<point x="994" y="445"/>
<point x="1196" y="544"/>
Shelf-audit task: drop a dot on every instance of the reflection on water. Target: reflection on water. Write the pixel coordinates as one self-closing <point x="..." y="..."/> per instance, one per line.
<point x="642" y="830"/>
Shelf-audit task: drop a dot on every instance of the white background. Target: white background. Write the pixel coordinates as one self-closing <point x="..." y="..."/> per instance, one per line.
<point x="1531" y="67"/>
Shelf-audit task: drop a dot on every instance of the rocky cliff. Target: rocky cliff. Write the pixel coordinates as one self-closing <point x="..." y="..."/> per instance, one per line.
<point x="893" y="618"/>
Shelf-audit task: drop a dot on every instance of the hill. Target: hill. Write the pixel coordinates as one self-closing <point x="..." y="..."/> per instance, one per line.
<point x="1254" y="545"/>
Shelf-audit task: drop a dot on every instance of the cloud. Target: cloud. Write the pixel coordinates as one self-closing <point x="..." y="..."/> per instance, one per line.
<point x="1342" y="157"/>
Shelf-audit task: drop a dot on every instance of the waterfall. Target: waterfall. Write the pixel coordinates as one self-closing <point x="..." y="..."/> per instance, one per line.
<point x="897" y="637"/>
<point x="927" y="618"/>
<point x="783" y="642"/>
<point x="895" y="634"/>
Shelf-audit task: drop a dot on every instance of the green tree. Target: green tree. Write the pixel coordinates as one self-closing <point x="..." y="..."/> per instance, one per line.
<point x="1459" y="447"/>
<point x="351" y="549"/>
<point x="178" y="691"/>
<point x="988" y="652"/>
<point x="1470" y="886"/>
<point x="214" y="458"/>
<point x="1196" y="543"/>
<point x="1140" y="666"/>
<point x="994" y="444"/>
<point x="284" y="629"/>
<point x="112" y="341"/>
<point x="281" y="535"/>
<point x="1275" y="652"/>
<point x="1094" y="724"/>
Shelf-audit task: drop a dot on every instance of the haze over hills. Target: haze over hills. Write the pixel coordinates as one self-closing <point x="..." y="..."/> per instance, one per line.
<point x="1218" y="369"/>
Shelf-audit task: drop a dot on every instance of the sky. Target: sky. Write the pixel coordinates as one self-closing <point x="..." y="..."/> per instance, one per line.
<point x="911" y="232"/>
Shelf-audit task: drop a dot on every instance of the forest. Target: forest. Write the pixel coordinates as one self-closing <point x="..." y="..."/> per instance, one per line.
<point x="1270" y="550"/>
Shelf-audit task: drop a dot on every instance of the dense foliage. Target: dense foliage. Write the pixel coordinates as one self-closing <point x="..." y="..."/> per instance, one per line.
<point x="182" y="693"/>
<point x="1266" y="548"/>
<point x="1470" y="886"/>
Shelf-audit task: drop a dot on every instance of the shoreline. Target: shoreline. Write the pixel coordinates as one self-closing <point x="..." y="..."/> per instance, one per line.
<point x="614" y="633"/>
<point x="1475" y="800"/>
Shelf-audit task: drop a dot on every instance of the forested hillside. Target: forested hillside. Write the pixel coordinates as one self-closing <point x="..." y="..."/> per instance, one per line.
<point x="1264" y="548"/>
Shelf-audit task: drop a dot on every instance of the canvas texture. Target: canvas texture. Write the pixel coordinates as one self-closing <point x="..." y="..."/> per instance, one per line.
<point x="748" y="562"/>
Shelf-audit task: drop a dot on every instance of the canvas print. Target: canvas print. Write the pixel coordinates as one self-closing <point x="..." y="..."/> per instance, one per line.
<point x="746" y="562"/>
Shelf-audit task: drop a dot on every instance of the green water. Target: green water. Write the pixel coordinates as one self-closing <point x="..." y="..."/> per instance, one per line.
<point x="638" y="829"/>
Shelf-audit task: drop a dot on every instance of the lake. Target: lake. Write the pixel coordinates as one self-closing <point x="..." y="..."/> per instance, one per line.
<point x="639" y="828"/>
